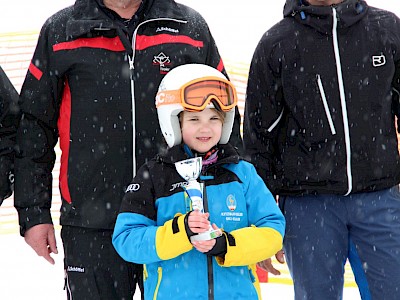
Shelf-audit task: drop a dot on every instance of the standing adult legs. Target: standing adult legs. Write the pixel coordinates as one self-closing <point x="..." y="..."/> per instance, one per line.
<point x="375" y="232"/>
<point x="316" y="245"/>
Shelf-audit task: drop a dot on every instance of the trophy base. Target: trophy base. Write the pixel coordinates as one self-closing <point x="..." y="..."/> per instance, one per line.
<point x="205" y="236"/>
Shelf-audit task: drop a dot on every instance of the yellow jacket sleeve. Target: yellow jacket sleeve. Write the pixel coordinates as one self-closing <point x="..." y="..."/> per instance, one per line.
<point x="250" y="245"/>
<point x="171" y="238"/>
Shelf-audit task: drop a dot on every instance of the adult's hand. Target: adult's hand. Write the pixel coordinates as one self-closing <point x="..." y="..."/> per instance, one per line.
<point x="266" y="265"/>
<point x="43" y="240"/>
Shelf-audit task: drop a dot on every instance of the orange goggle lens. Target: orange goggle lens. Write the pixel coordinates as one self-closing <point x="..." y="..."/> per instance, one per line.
<point x="197" y="94"/>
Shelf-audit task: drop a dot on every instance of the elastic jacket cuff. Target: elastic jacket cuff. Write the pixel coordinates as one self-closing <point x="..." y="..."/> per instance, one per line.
<point x="219" y="248"/>
<point x="32" y="216"/>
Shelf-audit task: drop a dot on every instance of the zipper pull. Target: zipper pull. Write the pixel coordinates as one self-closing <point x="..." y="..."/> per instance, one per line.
<point x="131" y="66"/>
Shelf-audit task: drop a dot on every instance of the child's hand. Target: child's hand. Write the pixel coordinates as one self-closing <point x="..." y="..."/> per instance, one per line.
<point x="205" y="246"/>
<point x="198" y="222"/>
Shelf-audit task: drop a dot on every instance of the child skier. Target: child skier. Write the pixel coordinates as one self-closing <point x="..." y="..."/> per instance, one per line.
<point x="184" y="256"/>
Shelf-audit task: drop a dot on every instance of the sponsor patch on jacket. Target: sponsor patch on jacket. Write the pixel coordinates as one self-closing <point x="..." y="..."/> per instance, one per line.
<point x="178" y="185"/>
<point x="160" y="29"/>
<point x="231" y="202"/>
<point x="134" y="187"/>
<point x="163" y="62"/>
<point x="231" y="215"/>
<point x="378" y="60"/>
<point x="75" y="269"/>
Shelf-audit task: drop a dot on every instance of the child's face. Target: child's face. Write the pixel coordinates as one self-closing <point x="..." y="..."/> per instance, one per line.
<point x="201" y="130"/>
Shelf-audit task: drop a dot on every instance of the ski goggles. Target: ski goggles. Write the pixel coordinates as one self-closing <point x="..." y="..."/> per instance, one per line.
<point x="197" y="94"/>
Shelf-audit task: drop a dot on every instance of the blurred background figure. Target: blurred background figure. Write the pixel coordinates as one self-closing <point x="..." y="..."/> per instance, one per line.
<point x="8" y="126"/>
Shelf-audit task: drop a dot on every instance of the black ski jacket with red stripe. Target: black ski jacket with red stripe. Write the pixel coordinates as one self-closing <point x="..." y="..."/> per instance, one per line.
<point x="8" y="127"/>
<point x="84" y="79"/>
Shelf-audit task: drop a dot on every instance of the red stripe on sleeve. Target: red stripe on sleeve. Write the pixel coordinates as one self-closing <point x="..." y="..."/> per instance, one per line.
<point x="144" y="41"/>
<point x="35" y="71"/>
<point x="113" y="44"/>
<point x="220" y="66"/>
<point x="64" y="128"/>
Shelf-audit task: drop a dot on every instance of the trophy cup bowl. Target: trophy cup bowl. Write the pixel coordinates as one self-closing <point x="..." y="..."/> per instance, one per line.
<point x="190" y="170"/>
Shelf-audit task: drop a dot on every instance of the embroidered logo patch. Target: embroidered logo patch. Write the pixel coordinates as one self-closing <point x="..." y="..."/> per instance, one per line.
<point x="168" y="29"/>
<point x="232" y="214"/>
<point x="178" y="185"/>
<point x="378" y="60"/>
<point x="163" y="62"/>
<point x="231" y="202"/>
<point x="134" y="187"/>
<point x="75" y="269"/>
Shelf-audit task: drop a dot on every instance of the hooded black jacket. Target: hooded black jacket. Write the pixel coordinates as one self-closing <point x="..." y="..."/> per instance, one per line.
<point x="322" y="98"/>
<point x="85" y="77"/>
<point x="8" y="126"/>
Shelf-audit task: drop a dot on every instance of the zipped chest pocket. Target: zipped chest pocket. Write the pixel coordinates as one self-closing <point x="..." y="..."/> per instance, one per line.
<point x="325" y="105"/>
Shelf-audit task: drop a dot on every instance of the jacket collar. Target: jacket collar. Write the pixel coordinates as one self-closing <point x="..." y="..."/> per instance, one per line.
<point x="226" y="154"/>
<point x="349" y="12"/>
<point x="89" y="15"/>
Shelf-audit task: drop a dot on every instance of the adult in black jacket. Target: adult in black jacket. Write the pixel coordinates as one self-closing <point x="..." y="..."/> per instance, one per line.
<point x="319" y="126"/>
<point x="92" y="84"/>
<point x="8" y="127"/>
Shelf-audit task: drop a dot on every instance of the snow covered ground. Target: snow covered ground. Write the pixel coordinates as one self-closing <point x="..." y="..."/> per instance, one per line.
<point x="237" y="26"/>
<point x="24" y="275"/>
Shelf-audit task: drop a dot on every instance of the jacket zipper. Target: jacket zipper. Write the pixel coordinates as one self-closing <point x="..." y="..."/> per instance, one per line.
<point x="210" y="276"/>
<point x="159" y="271"/>
<point x="132" y="69"/>
<point x="325" y="103"/>
<point x="145" y="274"/>
<point x="343" y="103"/>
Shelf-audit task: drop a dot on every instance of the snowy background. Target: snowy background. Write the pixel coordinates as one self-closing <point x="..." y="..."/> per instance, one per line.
<point x="236" y="29"/>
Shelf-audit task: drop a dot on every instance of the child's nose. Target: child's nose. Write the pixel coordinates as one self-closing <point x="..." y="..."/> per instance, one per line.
<point x="205" y="127"/>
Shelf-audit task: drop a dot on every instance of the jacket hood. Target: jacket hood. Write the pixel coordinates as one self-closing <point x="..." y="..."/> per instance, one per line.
<point x="349" y="12"/>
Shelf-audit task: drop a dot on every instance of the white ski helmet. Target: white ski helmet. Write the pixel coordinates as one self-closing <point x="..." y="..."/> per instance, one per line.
<point x="172" y="98"/>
